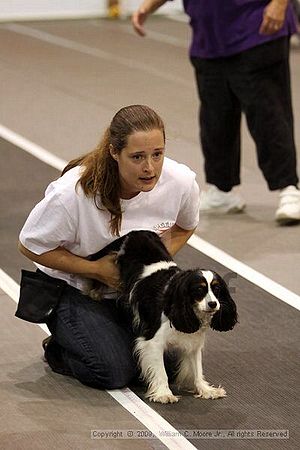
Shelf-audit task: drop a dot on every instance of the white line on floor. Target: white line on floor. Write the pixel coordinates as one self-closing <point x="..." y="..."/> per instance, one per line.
<point x="125" y="397"/>
<point x="35" y="150"/>
<point x="265" y="283"/>
<point x="195" y="241"/>
<point x="95" y="52"/>
<point x="153" y="35"/>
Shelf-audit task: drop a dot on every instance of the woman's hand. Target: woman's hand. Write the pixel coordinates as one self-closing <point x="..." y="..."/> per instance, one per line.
<point x="138" y="19"/>
<point x="274" y="16"/>
<point x="106" y="271"/>
<point x="140" y="15"/>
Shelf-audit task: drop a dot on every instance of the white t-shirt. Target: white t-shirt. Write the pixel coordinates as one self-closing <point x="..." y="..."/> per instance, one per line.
<point x="67" y="218"/>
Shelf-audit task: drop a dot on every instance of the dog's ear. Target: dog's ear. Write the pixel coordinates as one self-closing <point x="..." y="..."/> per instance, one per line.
<point x="183" y="318"/>
<point x="226" y="318"/>
<point x="179" y="304"/>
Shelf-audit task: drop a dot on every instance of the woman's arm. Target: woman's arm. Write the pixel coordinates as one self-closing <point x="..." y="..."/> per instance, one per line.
<point x="175" y="238"/>
<point x="104" y="269"/>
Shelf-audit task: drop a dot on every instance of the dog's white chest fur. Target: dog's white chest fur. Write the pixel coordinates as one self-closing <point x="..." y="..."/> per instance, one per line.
<point x="174" y="338"/>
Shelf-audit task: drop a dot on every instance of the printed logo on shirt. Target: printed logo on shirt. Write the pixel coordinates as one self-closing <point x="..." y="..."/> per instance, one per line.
<point x="163" y="226"/>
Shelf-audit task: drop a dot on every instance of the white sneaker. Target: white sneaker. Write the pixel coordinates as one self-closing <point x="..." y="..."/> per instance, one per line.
<point x="288" y="211"/>
<point x="214" y="200"/>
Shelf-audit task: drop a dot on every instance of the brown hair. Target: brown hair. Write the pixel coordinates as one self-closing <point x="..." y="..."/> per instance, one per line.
<point x="100" y="177"/>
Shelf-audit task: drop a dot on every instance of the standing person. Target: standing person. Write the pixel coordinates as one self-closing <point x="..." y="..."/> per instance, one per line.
<point x="240" y="53"/>
<point x="123" y="185"/>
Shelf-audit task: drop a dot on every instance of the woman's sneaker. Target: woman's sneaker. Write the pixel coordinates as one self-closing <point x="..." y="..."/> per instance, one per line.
<point x="214" y="200"/>
<point x="288" y="212"/>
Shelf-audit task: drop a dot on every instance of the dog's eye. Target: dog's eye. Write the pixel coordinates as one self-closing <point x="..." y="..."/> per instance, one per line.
<point x="216" y="288"/>
<point x="199" y="291"/>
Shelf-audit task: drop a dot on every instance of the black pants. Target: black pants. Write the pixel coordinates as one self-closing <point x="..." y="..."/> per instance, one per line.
<point x="257" y="82"/>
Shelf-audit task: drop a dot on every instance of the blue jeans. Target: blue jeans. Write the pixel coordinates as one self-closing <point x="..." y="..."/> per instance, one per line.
<point x="91" y="341"/>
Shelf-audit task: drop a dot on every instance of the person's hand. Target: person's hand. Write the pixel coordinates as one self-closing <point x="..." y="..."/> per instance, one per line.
<point x="274" y="16"/>
<point x="106" y="270"/>
<point x="138" y="18"/>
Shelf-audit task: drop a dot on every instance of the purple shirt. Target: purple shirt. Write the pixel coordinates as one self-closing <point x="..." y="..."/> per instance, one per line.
<point x="225" y="27"/>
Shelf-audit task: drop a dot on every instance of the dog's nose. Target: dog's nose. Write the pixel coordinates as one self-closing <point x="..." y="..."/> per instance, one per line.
<point x="212" y="305"/>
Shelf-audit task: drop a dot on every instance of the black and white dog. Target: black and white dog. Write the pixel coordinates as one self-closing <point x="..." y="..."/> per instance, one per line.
<point x="171" y="307"/>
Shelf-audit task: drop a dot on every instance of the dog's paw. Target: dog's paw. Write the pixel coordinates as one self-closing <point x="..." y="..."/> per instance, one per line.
<point x="211" y="392"/>
<point x="167" y="397"/>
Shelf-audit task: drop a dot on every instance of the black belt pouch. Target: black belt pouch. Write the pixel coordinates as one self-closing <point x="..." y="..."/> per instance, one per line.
<point x="39" y="295"/>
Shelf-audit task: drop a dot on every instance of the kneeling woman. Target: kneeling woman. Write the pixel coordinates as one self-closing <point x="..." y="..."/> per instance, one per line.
<point x="125" y="184"/>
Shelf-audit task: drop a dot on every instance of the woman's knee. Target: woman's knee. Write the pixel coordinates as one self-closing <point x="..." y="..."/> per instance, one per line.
<point x="96" y="349"/>
<point x="104" y="376"/>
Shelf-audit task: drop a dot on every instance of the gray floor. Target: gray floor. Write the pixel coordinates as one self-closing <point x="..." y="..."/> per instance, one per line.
<point x="60" y="83"/>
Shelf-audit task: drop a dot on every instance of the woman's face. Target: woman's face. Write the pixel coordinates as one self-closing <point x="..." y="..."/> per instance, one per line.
<point x="140" y="162"/>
